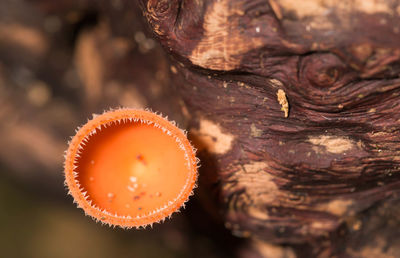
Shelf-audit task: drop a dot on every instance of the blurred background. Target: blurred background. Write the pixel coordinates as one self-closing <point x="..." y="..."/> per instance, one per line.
<point x="60" y="62"/>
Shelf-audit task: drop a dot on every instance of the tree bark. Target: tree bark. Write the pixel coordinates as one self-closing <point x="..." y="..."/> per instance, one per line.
<point x="294" y="107"/>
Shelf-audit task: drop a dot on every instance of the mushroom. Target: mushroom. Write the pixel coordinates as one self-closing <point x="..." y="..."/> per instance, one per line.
<point x="130" y="168"/>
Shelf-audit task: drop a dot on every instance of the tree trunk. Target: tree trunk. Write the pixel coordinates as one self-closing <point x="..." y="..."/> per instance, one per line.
<point x="294" y="107"/>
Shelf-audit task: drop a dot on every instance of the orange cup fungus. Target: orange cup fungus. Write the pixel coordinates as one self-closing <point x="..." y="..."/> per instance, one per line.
<point x="130" y="168"/>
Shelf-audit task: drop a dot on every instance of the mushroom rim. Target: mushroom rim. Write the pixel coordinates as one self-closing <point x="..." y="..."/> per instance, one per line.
<point x="127" y="115"/>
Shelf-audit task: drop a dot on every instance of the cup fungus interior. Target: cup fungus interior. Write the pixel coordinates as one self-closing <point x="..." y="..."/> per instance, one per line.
<point x="131" y="168"/>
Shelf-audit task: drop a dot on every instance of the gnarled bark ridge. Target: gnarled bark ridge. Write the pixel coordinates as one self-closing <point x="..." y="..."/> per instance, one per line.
<point x="309" y="177"/>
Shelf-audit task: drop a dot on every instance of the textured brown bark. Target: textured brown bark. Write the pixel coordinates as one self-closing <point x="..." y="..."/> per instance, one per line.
<point x="320" y="179"/>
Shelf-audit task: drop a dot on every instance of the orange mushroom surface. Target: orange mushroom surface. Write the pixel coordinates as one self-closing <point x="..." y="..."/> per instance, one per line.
<point x="130" y="168"/>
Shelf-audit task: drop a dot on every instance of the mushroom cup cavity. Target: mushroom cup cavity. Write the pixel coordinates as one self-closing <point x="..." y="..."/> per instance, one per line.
<point x="130" y="168"/>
